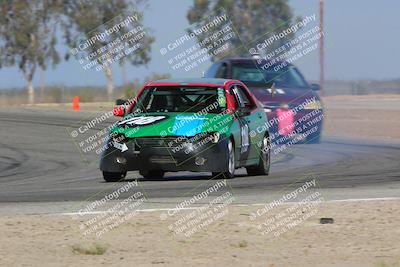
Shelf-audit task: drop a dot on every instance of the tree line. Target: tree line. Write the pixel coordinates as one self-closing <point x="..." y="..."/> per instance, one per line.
<point x="30" y="31"/>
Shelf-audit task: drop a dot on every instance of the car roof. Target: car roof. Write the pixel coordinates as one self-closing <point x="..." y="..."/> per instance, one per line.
<point x="249" y="60"/>
<point x="189" y="81"/>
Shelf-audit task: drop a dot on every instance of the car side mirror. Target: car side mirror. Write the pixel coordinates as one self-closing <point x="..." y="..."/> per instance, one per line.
<point x="315" y="87"/>
<point x="119" y="111"/>
<point x="120" y="102"/>
<point x="243" y="112"/>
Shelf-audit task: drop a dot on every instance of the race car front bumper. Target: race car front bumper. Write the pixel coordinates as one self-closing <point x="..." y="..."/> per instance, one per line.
<point x="209" y="157"/>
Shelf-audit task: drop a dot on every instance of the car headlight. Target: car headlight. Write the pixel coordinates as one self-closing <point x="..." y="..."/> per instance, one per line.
<point x="214" y="137"/>
<point x="270" y="107"/>
<point x="284" y="105"/>
<point x="313" y="105"/>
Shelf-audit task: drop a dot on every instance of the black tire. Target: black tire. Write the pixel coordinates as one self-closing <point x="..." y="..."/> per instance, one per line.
<point x="218" y="175"/>
<point x="264" y="164"/>
<point x="230" y="173"/>
<point x="113" y="176"/>
<point x="152" y="175"/>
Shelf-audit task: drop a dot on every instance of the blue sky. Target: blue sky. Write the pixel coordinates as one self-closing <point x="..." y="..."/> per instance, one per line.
<point x="361" y="37"/>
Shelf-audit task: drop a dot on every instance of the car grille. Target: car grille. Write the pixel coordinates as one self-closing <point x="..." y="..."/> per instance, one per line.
<point x="160" y="141"/>
<point x="162" y="159"/>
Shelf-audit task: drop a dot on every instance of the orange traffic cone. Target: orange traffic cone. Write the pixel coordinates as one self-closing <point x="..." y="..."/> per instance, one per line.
<point x="75" y="103"/>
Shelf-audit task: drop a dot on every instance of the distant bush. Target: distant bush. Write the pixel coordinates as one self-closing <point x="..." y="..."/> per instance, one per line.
<point x="130" y="91"/>
<point x="55" y="94"/>
<point x="87" y="94"/>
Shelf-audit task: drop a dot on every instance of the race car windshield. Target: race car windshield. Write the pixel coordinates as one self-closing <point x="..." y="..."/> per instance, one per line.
<point x="253" y="75"/>
<point x="181" y="99"/>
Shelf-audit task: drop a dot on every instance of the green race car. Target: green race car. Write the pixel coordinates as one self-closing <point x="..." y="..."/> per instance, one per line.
<point x="201" y="125"/>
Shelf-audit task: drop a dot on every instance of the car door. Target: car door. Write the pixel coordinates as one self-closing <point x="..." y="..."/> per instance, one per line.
<point x="243" y="147"/>
<point x="248" y="123"/>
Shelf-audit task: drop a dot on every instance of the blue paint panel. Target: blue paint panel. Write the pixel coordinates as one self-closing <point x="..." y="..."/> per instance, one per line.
<point x="188" y="125"/>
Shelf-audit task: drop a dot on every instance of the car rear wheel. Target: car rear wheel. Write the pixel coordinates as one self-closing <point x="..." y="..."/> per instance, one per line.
<point x="113" y="176"/>
<point x="265" y="160"/>
<point x="152" y="175"/>
<point x="230" y="173"/>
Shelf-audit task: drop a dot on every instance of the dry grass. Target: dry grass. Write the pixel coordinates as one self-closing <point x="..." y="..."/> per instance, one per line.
<point x="89" y="249"/>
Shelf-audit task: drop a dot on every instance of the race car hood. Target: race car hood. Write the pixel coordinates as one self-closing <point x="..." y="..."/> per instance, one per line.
<point x="283" y="95"/>
<point x="171" y="124"/>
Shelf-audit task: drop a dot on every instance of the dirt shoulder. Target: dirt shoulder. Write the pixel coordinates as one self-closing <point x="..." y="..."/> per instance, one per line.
<point x="363" y="234"/>
<point x="371" y="116"/>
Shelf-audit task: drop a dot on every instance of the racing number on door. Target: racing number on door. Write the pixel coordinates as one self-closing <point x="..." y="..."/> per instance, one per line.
<point x="244" y="126"/>
<point x="244" y="133"/>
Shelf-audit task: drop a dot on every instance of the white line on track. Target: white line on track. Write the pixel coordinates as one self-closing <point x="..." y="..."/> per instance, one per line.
<point x="234" y="205"/>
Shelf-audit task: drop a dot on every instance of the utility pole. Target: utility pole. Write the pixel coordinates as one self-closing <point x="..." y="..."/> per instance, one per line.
<point x="321" y="47"/>
<point x="42" y="85"/>
<point x="123" y="75"/>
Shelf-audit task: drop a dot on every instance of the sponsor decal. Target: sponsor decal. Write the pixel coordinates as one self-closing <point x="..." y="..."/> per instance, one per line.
<point x="188" y="125"/>
<point x="221" y="97"/>
<point x="140" y="121"/>
<point x="244" y="131"/>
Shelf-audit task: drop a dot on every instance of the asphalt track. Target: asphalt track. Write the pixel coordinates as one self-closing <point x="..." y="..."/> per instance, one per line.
<point x="39" y="162"/>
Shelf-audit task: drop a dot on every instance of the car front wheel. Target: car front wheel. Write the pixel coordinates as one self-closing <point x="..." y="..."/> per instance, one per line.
<point x="265" y="160"/>
<point x="230" y="168"/>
